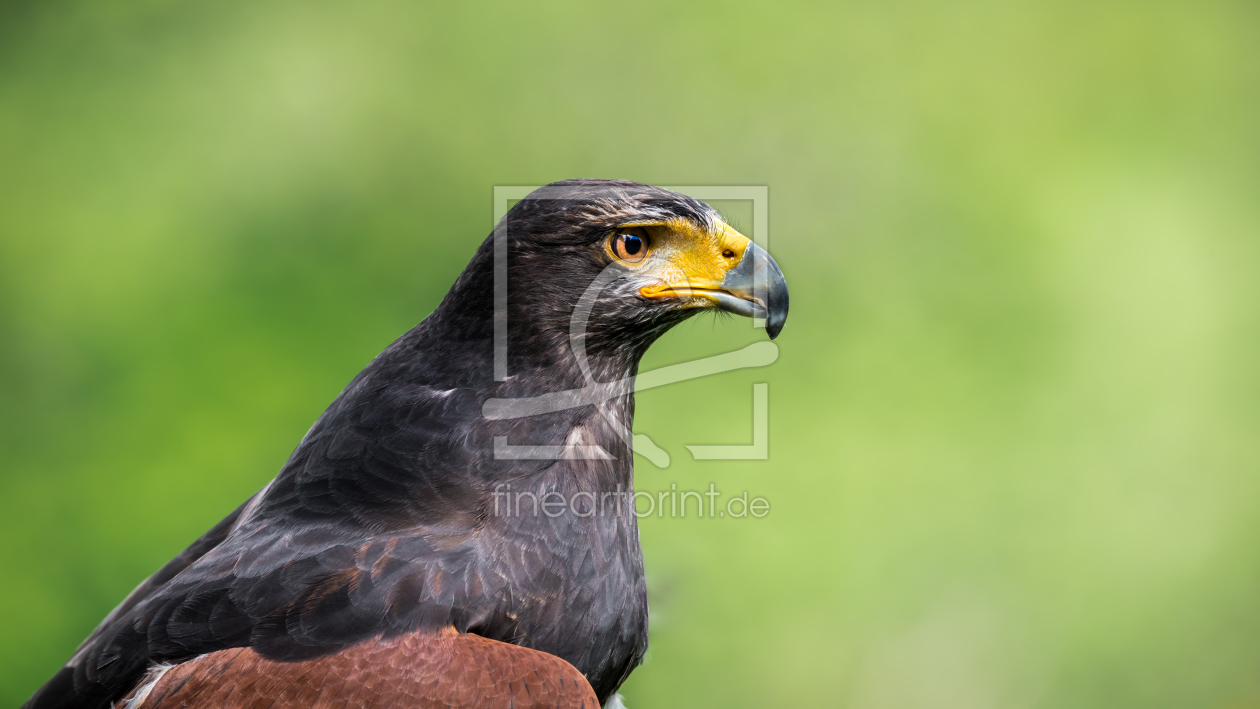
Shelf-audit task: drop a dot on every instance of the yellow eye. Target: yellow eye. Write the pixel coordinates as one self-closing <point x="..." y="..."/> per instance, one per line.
<point x="631" y="244"/>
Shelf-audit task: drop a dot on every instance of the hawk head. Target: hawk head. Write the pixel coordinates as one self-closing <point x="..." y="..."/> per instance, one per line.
<point x="615" y="264"/>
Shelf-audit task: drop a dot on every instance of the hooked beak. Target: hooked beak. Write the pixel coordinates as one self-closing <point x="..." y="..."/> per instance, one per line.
<point x="755" y="288"/>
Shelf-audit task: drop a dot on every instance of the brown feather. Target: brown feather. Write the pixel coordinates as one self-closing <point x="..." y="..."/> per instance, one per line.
<point x="419" y="671"/>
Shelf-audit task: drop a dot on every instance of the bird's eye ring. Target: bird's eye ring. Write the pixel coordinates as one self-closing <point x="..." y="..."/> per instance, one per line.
<point x="631" y="244"/>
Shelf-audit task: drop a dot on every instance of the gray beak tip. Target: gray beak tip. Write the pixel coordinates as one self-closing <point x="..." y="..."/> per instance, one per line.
<point x="758" y="289"/>
<point x="774" y="327"/>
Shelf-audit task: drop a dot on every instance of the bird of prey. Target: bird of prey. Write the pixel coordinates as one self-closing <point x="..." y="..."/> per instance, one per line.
<point x="376" y="569"/>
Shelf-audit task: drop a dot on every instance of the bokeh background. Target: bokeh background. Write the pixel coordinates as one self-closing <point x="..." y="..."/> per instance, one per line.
<point x="1014" y="453"/>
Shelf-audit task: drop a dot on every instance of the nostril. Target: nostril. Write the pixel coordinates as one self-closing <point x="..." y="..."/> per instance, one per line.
<point x="728" y="254"/>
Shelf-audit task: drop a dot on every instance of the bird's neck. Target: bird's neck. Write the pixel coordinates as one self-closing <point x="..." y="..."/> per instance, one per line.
<point x="528" y="355"/>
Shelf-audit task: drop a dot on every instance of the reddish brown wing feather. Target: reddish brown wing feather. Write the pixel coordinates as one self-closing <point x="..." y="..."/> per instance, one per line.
<point x="417" y="671"/>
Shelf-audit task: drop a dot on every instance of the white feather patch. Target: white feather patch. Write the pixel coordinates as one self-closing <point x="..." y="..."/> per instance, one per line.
<point x="151" y="678"/>
<point x="150" y="681"/>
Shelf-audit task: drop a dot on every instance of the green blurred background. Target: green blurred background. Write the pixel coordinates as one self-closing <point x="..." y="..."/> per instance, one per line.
<point x="1014" y="454"/>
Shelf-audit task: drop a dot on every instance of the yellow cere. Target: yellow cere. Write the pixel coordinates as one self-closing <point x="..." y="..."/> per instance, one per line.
<point x="688" y="259"/>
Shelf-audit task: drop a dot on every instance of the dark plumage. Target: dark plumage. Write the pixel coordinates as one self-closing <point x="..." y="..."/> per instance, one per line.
<point x="383" y="522"/>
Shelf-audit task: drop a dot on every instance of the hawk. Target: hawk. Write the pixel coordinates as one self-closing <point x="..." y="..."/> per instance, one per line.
<point x="377" y="569"/>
